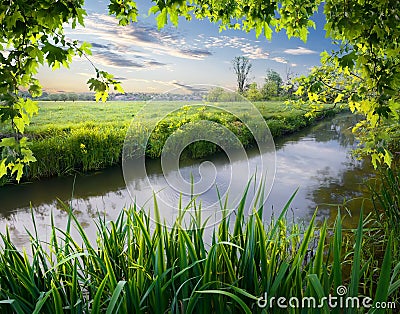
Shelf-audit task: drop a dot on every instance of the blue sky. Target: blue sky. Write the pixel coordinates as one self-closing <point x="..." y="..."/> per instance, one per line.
<point x="150" y="60"/>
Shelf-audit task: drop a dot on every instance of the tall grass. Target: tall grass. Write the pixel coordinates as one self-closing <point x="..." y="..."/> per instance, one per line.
<point x="386" y="197"/>
<point x="140" y="267"/>
<point x="83" y="148"/>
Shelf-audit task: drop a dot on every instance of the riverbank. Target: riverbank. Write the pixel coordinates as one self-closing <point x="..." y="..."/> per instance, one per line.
<point x="83" y="136"/>
<point x="316" y="158"/>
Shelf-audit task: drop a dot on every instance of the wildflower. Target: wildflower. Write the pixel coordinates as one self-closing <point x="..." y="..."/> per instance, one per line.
<point x="83" y="148"/>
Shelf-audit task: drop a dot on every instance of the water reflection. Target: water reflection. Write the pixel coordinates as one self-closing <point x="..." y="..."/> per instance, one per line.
<point x="317" y="160"/>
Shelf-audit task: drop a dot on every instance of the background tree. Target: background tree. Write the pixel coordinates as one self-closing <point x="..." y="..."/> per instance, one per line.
<point x="54" y="97"/>
<point x="44" y="96"/>
<point x="241" y="67"/>
<point x="253" y="93"/>
<point x="64" y="97"/>
<point x="215" y="94"/>
<point x="219" y="94"/>
<point x="269" y="89"/>
<point x="73" y="97"/>
<point x="274" y="79"/>
<point x="289" y="85"/>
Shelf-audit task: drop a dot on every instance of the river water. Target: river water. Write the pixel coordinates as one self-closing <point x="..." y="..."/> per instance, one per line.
<point x="317" y="160"/>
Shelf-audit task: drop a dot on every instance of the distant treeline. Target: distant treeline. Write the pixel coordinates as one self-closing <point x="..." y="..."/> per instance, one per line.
<point x="273" y="88"/>
<point x="252" y="93"/>
<point x="62" y="96"/>
<point x="218" y="94"/>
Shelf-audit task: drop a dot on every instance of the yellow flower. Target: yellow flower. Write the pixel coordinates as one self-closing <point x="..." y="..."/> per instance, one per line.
<point x="83" y="148"/>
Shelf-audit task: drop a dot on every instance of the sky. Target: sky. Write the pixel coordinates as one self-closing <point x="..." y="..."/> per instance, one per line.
<point x="149" y="60"/>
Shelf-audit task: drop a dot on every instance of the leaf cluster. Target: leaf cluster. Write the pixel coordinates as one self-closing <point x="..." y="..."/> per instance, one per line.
<point x="32" y="34"/>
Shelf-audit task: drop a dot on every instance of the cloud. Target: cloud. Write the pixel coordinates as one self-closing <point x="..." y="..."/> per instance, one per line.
<point x="249" y="49"/>
<point x="147" y="40"/>
<point x="168" y="86"/>
<point x="191" y="54"/>
<point x="166" y="83"/>
<point x="96" y="45"/>
<point x="155" y="63"/>
<point x="223" y="42"/>
<point x="142" y="34"/>
<point x="255" y="53"/>
<point x="299" y="51"/>
<point x="279" y="60"/>
<point x="197" y="53"/>
<point x="188" y="87"/>
<point x="115" y="60"/>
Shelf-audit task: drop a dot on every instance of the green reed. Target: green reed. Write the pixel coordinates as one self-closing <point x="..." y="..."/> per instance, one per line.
<point x="386" y="197"/>
<point x="141" y="267"/>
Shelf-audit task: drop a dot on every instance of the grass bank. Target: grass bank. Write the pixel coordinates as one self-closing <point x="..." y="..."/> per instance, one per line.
<point x="83" y="136"/>
<point x="140" y="268"/>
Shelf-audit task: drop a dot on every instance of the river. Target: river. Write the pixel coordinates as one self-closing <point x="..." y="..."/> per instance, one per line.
<point x="317" y="160"/>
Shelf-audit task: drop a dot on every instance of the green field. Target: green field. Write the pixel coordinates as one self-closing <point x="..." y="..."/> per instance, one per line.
<point x="58" y="115"/>
<point x="83" y="136"/>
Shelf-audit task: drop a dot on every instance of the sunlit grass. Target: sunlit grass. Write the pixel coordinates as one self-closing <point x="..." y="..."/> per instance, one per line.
<point x="83" y="136"/>
<point x="70" y="113"/>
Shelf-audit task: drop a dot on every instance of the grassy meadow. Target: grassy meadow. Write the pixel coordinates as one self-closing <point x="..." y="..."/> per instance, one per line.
<point x="83" y="136"/>
<point x="59" y="114"/>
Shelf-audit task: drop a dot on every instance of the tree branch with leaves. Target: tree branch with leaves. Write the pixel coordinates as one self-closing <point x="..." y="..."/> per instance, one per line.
<point x="32" y="33"/>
